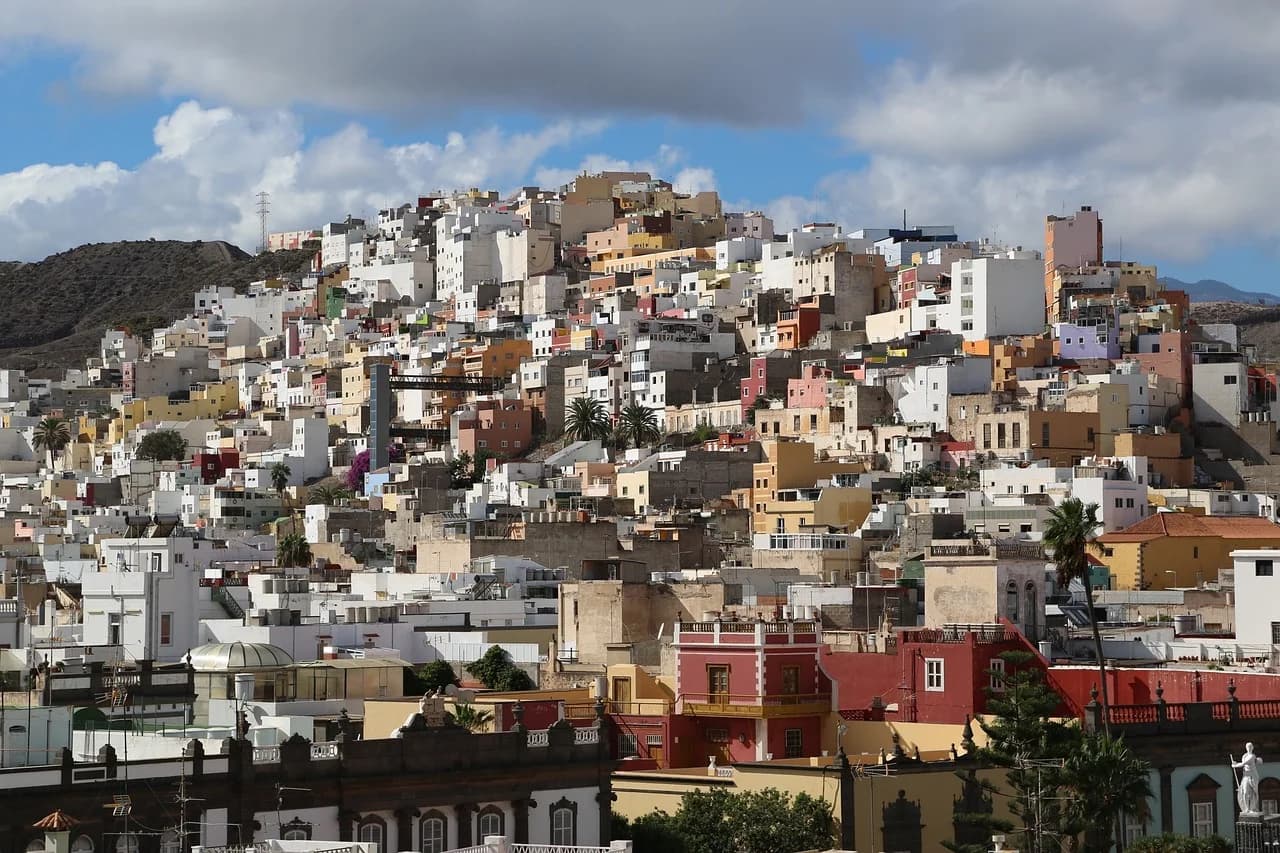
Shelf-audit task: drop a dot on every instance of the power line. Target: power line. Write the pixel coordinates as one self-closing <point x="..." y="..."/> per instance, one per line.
<point x="264" y="208"/>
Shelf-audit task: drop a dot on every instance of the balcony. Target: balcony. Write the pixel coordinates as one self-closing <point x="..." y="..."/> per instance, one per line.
<point x="767" y="707"/>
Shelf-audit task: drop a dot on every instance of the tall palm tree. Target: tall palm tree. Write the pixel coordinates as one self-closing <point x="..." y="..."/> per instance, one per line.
<point x="1106" y="781"/>
<point x="1067" y="535"/>
<point x="586" y="420"/>
<point x="639" y="424"/>
<point x="52" y="435"/>
<point x="280" y="473"/>
<point x="293" y="550"/>
<point x="470" y="717"/>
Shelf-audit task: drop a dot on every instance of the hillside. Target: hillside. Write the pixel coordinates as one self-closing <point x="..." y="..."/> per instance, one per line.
<point x="1258" y="324"/>
<point x="1212" y="290"/>
<point x="53" y="312"/>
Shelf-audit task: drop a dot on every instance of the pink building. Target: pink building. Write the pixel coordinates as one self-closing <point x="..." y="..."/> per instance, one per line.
<point x="500" y="427"/>
<point x="810" y="390"/>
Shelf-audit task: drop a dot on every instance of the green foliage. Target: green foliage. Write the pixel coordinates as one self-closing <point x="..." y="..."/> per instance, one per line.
<point x="761" y="402"/>
<point x="703" y="433"/>
<point x="162" y="446"/>
<point x="470" y="717"/>
<point x="1105" y="780"/>
<point x="329" y="495"/>
<point x="1173" y="843"/>
<point x="461" y="470"/>
<point x="435" y="675"/>
<point x="280" y="474"/>
<point x="586" y="419"/>
<point x="1067" y="535"/>
<point x="496" y="671"/>
<point x="293" y="550"/>
<point x="639" y="425"/>
<point x="720" y="821"/>
<point x="52" y="435"/>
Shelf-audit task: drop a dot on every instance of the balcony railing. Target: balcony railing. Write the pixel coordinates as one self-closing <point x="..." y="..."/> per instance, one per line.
<point x="757" y="706"/>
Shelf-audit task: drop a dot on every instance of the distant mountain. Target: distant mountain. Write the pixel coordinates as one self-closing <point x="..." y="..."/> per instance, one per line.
<point x="1212" y="290"/>
<point x="53" y="312"/>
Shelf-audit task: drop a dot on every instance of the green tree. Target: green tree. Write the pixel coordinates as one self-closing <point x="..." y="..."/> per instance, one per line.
<point x="639" y="425"/>
<point x="1067" y="535"/>
<point x="1104" y="782"/>
<point x="280" y="474"/>
<point x="461" y="470"/>
<point x="586" y="420"/>
<point x="162" y="445"/>
<point x="1171" y="842"/>
<point x="293" y="550"/>
<point x="328" y="495"/>
<point x="760" y="402"/>
<point x="480" y="468"/>
<point x="52" y="435"/>
<point x="703" y="433"/>
<point x="1031" y="747"/>
<point x="718" y="821"/>
<point x="497" y="671"/>
<point x="470" y="717"/>
<point x="436" y="675"/>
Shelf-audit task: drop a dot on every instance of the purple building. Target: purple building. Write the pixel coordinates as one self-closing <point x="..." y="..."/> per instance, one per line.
<point x="1081" y="342"/>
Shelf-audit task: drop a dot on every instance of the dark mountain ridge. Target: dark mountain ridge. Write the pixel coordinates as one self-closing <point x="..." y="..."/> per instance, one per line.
<point x="53" y="312"/>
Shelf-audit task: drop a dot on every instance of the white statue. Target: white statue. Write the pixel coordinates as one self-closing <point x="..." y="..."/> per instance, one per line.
<point x="1249" y="766"/>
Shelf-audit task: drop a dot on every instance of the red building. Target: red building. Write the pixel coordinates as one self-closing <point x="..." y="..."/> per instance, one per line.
<point x="751" y="690"/>
<point x="926" y="675"/>
<point x="502" y="427"/>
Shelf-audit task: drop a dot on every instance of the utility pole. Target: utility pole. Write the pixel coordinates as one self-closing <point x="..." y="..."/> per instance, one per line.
<point x="264" y="208"/>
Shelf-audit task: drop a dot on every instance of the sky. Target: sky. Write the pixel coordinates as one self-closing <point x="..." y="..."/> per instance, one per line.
<point x="148" y="118"/>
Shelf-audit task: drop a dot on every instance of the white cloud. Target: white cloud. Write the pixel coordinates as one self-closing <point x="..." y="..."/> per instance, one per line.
<point x="668" y="159"/>
<point x="208" y="164"/>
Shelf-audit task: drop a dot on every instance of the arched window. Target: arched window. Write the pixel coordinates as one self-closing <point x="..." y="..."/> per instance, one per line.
<point x="373" y="830"/>
<point x="1011" y="600"/>
<point x="127" y="843"/>
<point x="433" y="832"/>
<point x="564" y="822"/>
<point x="170" y="841"/>
<point x="490" y="821"/>
<point x="1032" y="619"/>
<point x="296" y="830"/>
<point x="82" y="844"/>
<point x="36" y="846"/>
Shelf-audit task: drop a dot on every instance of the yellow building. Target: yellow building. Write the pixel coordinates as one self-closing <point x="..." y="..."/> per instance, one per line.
<point x="207" y="402"/>
<point x="787" y="465"/>
<point x="1176" y="549"/>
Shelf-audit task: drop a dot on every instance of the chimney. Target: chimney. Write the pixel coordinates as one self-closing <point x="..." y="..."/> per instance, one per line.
<point x="57" y="831"/>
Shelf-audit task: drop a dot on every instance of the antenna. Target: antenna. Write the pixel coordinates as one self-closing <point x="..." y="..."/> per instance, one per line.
<point x="264" y="208"/>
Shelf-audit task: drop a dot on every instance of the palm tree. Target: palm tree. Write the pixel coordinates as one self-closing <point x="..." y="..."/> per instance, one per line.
<point x="639" y="424"/>
<point x="470" y="718"/>
<point x="1106" y="781"/>
<point x="586" y="420"/>
<point x="280" y="473"/>
<point x="328" y="495"/>
<point x="293" y="550"/>
<point x="1067" y="535"/>
<point x="52" y="435"/>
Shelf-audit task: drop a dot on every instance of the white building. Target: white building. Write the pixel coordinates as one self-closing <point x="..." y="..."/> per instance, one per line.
<point x="1256" y="593"/>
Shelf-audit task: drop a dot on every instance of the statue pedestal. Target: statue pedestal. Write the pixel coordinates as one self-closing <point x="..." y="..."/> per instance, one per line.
<point x="1255" y="832"/>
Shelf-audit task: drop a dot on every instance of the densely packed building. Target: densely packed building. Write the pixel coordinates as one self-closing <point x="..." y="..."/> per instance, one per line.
<point x="721" y="493"/>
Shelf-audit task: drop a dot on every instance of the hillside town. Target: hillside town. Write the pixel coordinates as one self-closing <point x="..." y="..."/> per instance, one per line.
<point x="517" y="517"/>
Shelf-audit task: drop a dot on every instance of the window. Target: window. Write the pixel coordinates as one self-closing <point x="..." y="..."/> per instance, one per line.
<point x="490" y="822"/>
<point x="1128" y="502"/>
<point x="371" y="832"/>
<point x="1134" y="829"/>
<point x="1119" y="503"/>
<point x="933" y="674"/>
<point x="1229" y="380"/>
<point x="166" y="629"/>
<point x="1017" y="434"/>
<point x="790" y="680"/>
<point x="627" y="745"/>
<point x="1195" y="552"/>
<point x="1262" y="568"/>
<point x="433" y="833"/>
<point x="564" y="823"/>
<point x="996" y="674"/>
<point x="718" y="682"/>
<point x="82" y="844"/>
<point x="1044" y="434"/>
<point x="156" y="562"/>
<point x="653" y="741"/>
<point x="717" y="735"/>
<point x="794" y="743"/>
<point x="1202" y="816"/>
<point x="1011" y="600"/>
<point x="1275" y="633"/>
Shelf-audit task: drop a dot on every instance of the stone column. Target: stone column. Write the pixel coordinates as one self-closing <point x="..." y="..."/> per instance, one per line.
<point x="404" y="829"/>
<point x="521" y="808"/>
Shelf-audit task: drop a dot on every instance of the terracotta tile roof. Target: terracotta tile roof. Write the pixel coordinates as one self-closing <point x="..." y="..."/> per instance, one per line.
<point x="1200" y="526"/>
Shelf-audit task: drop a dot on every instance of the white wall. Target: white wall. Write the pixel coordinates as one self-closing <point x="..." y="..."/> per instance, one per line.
<point x="1256" y="596"/>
